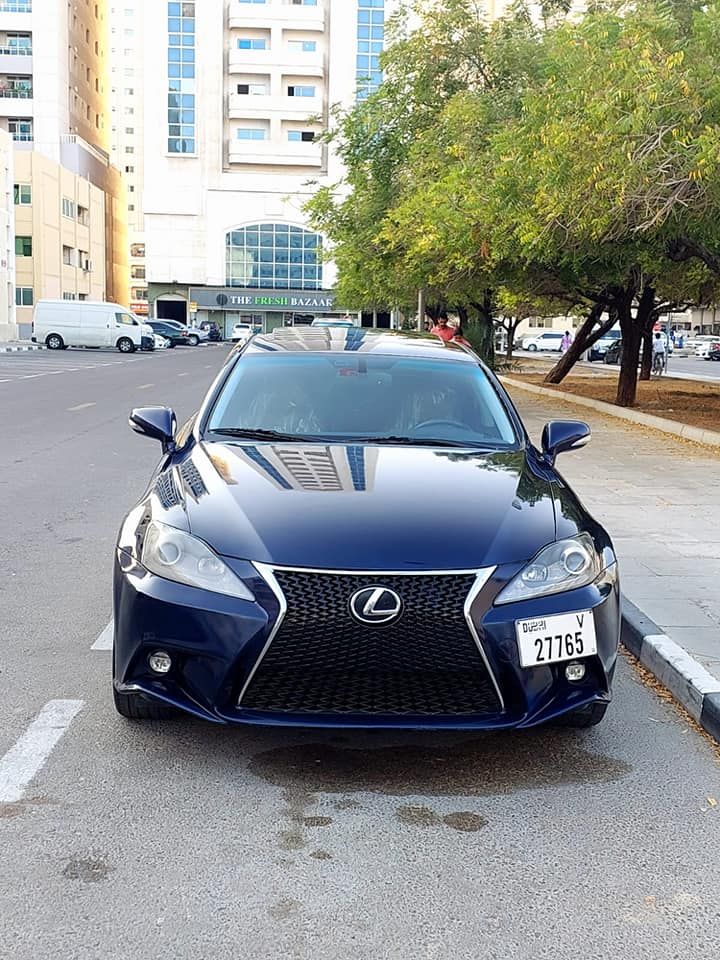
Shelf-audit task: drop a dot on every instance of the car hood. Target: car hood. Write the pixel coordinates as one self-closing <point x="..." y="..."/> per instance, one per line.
<point x="366" y="507"/>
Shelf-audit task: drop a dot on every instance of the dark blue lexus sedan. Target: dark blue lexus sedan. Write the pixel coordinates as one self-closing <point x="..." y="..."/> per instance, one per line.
<point x="355" y="530"/>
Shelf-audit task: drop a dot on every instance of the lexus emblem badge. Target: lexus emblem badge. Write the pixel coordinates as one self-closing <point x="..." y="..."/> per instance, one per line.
<point x="375" y="606"/>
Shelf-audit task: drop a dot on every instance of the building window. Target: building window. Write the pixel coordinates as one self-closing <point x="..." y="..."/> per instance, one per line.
<point x="297" y="90"/>
<point x="181" y="78"/>
<point x="21" y="129"/>
<point x="251" y="133"/>
<point x="137" y="249"/>
<point x="69" y="209"/>
<point x="131" y="207"/>
<point x="83" y="216"/>
<point x="304" y="136"/>
<point x="275" y="256"/>
<point x="16" y="6"/>
<point x="250" y="43"/>
<point x="304" y="3"/>
<point x="69" y="296"/>
<point x="67" y="254"/>
<point x="129" y="169"/>
<point x="23" y="194"/>
<point x="137" y="272"/>
<point x="252" y="1"/>
<point x="18" y="44"/>
<point x="370" y="39"/>
<point x="23" y="296"/>
<point x="303" y="46"/>
<point x="83" y="259"/>
<point x="252" y="89"/>
<point x="23" y="246"/>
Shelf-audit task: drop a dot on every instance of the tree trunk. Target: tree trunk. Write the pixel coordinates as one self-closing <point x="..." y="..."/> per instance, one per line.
<point x="647" y="339"/>
<point x="483" y="339"/>
<point x="585" y="338"/>
<point x="510" y="329"/>
<point x="632" y="332"/>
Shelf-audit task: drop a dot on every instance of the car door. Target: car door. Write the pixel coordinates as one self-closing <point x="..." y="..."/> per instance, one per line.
<point x="92" y="324"/>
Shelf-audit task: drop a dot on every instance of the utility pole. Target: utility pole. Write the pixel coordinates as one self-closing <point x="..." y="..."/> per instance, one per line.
<point x="421" y="310"/>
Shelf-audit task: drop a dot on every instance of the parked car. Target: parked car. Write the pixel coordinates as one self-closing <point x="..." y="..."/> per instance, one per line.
<point x="161" y="343"/>
<point x="213" y="330"/>
<point x="613" y="354"/>
<point x="544" y="341"/>
<point x="195" y="334"/>
<point x="242" y="332"/>
<point x="350" y="603"/>
<point x="599" y="348"/>
<point x="175" y="333"/>
<point x="704" y="349"/>
<point x="88" y="323"/>
<point x="714" y="352"/>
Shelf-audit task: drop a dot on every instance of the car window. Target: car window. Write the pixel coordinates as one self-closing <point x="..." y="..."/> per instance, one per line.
<point x="126" y="319"/>
<point x="348" y="397"/>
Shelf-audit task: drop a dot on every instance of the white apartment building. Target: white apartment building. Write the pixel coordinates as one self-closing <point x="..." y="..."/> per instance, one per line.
<point x="8" y="328"/>
<point x="69" y="205"/>
<point x="127" y="96"/>
<point x="236" y="92"/>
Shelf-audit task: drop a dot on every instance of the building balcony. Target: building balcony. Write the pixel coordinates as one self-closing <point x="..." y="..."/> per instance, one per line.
<point x="288" y="16"/>
<point x="244" y="106"/>
<point x="269" y="153"/>
<point x="15" y="61"/>
<point x="248" y="61"/>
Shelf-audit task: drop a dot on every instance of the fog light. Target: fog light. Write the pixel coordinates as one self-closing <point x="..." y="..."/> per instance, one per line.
<point x="160" y="661"/>
<point x="573" y="671"/>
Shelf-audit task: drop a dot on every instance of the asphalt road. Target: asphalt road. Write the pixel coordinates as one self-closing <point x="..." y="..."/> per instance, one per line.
<point x="183" y="841"/>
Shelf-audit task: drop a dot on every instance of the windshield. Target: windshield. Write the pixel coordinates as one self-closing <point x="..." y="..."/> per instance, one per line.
<point x="349" y="398"/>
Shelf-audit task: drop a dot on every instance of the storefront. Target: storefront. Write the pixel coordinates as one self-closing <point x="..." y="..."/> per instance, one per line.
<point x="267" y="309"/>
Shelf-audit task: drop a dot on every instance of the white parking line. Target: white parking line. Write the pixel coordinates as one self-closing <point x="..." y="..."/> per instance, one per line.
<point x="145" y="386"/>
<point x="82" y="406"/>
<point x="26" y="758"/>
<point x="183" y="374"/>
<point x="105" y="640"/>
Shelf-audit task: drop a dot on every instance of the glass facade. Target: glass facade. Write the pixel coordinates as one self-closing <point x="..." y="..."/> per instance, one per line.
<point x="370" y="39"/>
<point x="275" y="256"/>
<point x="181" y="78"/>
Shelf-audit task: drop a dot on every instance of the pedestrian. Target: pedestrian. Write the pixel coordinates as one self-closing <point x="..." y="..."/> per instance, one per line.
<point x="566" y="342"/>
<point x="443" y="329"/>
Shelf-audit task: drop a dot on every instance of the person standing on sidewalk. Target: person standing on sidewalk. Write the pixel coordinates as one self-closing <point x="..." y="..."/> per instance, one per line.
<point x="566" y="342"/>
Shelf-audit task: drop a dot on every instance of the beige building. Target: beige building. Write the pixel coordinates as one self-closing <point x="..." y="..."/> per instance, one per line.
<point x="8" y="329"/>
<point x="54" y="103"/>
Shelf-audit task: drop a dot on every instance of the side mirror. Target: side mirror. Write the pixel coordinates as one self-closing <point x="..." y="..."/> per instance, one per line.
<point x="159" y="423"/>
<point x="561" y="435"/>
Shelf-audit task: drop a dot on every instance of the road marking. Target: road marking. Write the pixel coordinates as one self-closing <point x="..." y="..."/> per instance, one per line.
<point x="105" y="640"/>
<point x="31" y="376"/>
<point x="26" y="758"/>
<point x="144" y="386"/>
<point x="182" y="374"/>
<point x="82" y="406"/>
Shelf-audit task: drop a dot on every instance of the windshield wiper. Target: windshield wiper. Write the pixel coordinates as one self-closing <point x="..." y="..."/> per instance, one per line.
<point x="252" y="434"/>
<point x="417" y="442"/>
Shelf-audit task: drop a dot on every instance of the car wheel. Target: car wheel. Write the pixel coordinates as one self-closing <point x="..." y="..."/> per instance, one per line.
<point x="125" y="345"/>
<point x="588" y="716"/>
<point x="193" y="340"/>
<point x="532" y="347"/>
<point x="134" y="706"/>
<point x="54" y="342"/>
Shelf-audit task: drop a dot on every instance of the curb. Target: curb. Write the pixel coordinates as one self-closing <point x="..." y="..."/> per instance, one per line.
<point x="23" y="349"/>
<point x="708" y="437"/>
<point x="688" y="681"/>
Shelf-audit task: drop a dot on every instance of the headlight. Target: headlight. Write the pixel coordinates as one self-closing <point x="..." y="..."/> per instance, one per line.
<point x="175" y="555"/>
<point x="560" y="566"/>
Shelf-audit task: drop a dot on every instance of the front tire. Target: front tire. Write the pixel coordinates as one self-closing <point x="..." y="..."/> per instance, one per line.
<point x="588" y="716"/>
<point x="193" y="340"/>
<point x="532" y="348"/>
<point x="125" y="345"/>
<point x="54" y="341"/>
<point x="134" y="706"/>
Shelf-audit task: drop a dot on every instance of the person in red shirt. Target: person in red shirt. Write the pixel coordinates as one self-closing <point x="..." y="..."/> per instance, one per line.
<point x="443" y="329"/>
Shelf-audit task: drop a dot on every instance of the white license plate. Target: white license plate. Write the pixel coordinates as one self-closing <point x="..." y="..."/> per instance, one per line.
<point x="566" y="636"/>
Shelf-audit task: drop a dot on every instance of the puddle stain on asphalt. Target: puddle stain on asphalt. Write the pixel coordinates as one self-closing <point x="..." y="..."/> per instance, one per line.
<point x="420" y="816"/>
<point x="321" y="855"/>
<point x="487" y="766"/>
<point x="86" y="869"/>
<point x="284" y="909"/>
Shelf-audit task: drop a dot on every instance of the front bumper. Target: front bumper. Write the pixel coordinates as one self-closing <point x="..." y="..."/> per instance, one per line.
<point x="216" y="643"/>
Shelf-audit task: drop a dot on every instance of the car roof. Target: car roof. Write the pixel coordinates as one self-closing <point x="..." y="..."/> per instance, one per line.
<point x="358" y="340"/>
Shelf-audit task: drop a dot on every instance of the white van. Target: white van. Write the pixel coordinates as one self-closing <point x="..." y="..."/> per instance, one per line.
<point x="87" y="323"/>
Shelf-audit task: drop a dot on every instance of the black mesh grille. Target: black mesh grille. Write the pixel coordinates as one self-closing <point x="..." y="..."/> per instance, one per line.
<point x="323" y="661"/>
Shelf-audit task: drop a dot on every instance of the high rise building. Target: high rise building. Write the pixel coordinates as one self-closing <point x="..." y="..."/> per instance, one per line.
<point x="69" y="200"/>
<point x="236" y="94"/>
<point x="128" y="95"/>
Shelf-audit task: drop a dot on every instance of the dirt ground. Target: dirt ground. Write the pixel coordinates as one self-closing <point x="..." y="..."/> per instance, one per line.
<point x="688" y="401"/>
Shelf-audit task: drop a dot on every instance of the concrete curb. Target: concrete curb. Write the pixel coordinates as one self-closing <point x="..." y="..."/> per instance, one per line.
<point x="688" y="681"/>
<point x="21" y="349"/>
<point x="708" y="437"/>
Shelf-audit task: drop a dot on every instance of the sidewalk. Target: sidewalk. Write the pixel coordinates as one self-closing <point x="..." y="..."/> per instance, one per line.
<point x="658" y="498"/>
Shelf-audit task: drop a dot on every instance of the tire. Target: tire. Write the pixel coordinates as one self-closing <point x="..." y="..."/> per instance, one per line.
<point x="193" y="340"/>
<point x="588" y="716"/>
<point x="134" y="706"/>
<point x="53" y="341"/>
<point x="125" y="345"/>
<point x="532" y="348"/>
<point x="171" y="345"/>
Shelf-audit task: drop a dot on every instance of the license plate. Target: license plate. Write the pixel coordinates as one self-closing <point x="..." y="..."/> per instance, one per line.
<point x="566" y="636"/>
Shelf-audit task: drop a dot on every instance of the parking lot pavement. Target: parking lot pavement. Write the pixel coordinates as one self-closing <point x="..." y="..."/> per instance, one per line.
<point x="655" y="495"/>
<point x="690" y="368"/>
<point x="181" y="840"/>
